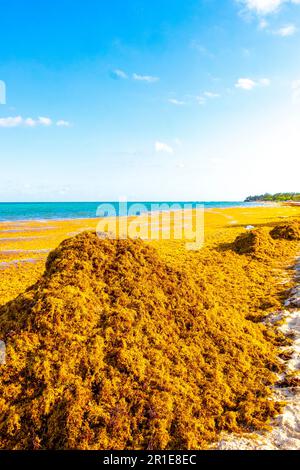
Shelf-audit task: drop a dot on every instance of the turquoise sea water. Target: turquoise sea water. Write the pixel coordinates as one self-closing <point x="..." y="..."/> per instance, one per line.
<point x="79" y="210"/>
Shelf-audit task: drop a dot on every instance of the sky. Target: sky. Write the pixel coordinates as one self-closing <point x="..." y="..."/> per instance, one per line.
<point x="149" y="100"/>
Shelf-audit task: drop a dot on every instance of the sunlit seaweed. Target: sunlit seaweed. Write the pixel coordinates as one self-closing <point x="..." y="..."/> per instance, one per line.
<point x="287" y="231"/>
<point x="256" y="242"/>
<point x="116" y="348"/>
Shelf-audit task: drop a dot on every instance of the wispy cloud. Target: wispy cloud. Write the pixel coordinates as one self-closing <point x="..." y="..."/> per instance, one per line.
<point x="285" y="31"/>
<point x="176" y="102"/>
<point x="245" y="84"/>
<point x="145" y="78"/>
<point x="29" y="122"/>
<point x="265" y="7"/>
<point x="11" y="121"/>
<point x="63" y="123"/>
<point x="163" y="147"/>
<point x="44" y="121"/>
<point x="118" y="74"/>
<point x="19" y="121"/>
<point x="249" y="84"/>
<point x="207" y="95"/>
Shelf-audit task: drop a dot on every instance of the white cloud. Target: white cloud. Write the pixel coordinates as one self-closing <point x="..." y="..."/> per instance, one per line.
<point x="63" y="123"/>
<point x="29" y="122"/>
<point x="265" y="7"/>
<point x="11" y="121"/>
<point x="176" y="102"/>
<point x="118" y="74"/>
<point x="19" y="121"/>
<point x="249" y="84"/>
<point x="207" y="95"/>
<point x="163" y="147"/>
<point x="44" y="121"/>
<point x="262" y="7"/>
<point x="285" y="31"/>
<point x="145" y="78"/>
<point x="245" y="84"/>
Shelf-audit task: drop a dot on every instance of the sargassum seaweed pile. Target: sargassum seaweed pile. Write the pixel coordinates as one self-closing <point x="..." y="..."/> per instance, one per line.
<point x="115" y="348"/>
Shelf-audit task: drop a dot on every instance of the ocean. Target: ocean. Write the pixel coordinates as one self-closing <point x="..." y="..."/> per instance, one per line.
<point x="83" y="210"/>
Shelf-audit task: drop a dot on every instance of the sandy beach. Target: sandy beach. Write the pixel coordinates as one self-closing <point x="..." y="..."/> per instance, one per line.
<point x="24" y="245"/>
<point x="234" y="299"/>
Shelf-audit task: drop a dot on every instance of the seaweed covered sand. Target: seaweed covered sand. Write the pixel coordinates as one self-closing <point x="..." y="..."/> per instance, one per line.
<point x="114" y="347"/>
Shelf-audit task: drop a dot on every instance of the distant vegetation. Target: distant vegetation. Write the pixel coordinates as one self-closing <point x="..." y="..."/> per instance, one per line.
<point x="274" y="197"/>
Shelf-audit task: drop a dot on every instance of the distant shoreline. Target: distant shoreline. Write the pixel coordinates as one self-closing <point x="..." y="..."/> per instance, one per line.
<point x="291" y="203"/>
<point x="60" y="211"/>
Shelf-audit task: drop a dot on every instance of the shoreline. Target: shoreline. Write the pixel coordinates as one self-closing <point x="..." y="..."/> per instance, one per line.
<point x="285" y="428"/>
<point x="207" y="205"/>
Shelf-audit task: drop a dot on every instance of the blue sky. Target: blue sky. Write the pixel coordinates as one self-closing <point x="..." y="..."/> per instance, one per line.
<point x="160" y="100"/>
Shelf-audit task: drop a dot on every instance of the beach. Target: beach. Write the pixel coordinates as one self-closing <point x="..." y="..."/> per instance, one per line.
<point x="230" y="317"/>
<point x="24" y="245"/>
<point x="284" y="433"/>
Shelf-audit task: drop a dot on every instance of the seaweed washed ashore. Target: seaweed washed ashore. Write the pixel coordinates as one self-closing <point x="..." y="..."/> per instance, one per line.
<point x="21" y="271"/>
<point x="285" y="431"/>
<point x="115" y="347"/>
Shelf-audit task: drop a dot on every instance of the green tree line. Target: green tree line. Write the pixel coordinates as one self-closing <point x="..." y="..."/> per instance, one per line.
<point x="274" y="197"/>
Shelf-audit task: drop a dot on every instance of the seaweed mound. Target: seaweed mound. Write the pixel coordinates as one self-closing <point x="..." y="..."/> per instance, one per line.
<point x="115" y="349"/>
<point x="254" y="242"/>
<point x="287" y="231"/>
